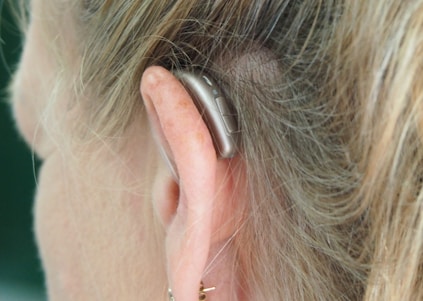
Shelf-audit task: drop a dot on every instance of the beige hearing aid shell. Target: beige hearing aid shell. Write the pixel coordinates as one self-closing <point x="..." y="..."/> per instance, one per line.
<point x="215" y="110"/>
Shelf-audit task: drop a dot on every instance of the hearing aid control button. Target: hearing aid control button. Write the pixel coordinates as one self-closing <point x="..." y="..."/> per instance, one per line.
<point x="223" y="106"/>
<point x="230" y="124"/>
<point x="208" y="82"/>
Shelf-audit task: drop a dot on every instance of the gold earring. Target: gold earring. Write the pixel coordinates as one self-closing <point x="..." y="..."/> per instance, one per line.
<point x="202" y="293"/>
<point x="169" y="292"/>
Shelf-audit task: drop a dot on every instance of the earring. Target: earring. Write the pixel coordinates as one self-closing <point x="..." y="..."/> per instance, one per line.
<point x="169" y="292"/>
<point x="202" y="292"/>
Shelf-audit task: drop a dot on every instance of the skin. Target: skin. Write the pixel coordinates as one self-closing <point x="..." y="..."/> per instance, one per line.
<point x="80" y="222"/>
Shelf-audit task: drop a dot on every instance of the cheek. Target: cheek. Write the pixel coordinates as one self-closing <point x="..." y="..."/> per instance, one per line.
<point x="97" y="241"/>
<point x="55" y="234"/>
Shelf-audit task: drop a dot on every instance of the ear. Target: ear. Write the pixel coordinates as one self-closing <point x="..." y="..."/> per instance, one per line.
<point x="198" y="209"/>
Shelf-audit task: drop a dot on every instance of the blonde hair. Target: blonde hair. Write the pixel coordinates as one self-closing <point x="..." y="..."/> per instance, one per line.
<point x="329" y="99"/>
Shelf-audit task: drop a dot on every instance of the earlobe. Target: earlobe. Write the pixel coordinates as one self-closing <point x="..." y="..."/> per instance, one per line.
<point x="188" y="206"/>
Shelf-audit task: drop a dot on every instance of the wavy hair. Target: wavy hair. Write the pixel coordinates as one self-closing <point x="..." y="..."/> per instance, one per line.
<point x="329" y="96"/>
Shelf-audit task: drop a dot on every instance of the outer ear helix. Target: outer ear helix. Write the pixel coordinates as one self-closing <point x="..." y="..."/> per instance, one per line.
<point x="215" y="110"/>
<point x="162" y="143"/>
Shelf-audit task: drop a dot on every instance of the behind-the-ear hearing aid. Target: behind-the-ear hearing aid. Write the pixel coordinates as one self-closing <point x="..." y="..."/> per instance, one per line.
<point x="215" y="110"/>
<point x="217" y="114"/>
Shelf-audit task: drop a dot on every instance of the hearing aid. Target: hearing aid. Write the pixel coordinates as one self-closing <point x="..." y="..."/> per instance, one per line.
<point x="216" y="112"/>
